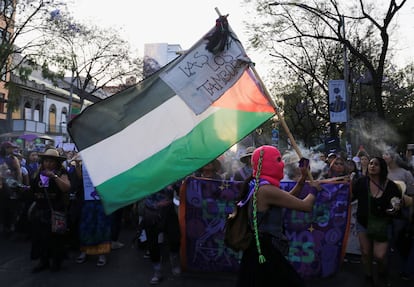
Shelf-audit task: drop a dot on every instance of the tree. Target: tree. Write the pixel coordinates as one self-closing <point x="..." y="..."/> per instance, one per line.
<point x="304" y="64"/>
<point x="399" y="102"/>
<point x="289" y="25"/>
<point x="96" y="57"/>
<point x="305" y="94"/>
<point x="21" y="19"/>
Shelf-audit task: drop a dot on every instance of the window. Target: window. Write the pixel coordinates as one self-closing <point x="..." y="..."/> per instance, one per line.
<point x="36" y="114"/>
<point x="27" y="111"/>
<point x="2" y="101"/>
<point x="52" y="119"/>
<point x="64" y="116"/>
<point x="63" y="120"/>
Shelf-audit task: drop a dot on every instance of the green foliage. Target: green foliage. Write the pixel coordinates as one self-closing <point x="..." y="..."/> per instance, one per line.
<point x="306" y="42"/>
<point x="51" y="75"/>
<point x="24" y="72"/>
<point x="14" y="95"/>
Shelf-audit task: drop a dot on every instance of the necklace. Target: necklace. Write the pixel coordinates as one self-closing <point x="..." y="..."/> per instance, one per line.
<point x="378" y="187"/>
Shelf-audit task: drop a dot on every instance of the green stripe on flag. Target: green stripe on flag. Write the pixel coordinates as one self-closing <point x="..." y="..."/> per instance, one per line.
<point x="180" y="158"/>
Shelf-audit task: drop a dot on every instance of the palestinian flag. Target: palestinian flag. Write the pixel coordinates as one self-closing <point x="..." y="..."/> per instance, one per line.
<point x="146" y="137"/>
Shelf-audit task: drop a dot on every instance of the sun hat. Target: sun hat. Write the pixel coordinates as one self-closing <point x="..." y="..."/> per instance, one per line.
<point x="52" y="153"/>
<point x="248" y="152"/>
<point x="401" y="186"/>
<point x="331" y="154"/>
<point x="8" y="144"/>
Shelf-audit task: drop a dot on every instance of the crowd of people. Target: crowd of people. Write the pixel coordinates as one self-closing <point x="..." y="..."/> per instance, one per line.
<point x="35" y="183"/>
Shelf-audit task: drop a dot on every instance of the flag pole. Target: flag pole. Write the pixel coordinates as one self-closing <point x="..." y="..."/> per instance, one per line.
<point x="281" y="119"/>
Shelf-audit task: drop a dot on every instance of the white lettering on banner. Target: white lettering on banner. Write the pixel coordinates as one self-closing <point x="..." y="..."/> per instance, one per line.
<point x="200" y="77"/>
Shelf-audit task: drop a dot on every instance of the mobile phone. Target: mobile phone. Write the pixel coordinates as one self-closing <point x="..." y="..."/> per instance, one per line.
<point x="303" y="162"/>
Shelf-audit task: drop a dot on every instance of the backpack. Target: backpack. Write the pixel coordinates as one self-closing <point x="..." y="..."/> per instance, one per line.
<point x="237" y="231"/>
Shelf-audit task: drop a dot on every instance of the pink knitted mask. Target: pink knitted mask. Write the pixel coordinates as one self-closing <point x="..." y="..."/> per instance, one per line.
<point x="272" y="164"/>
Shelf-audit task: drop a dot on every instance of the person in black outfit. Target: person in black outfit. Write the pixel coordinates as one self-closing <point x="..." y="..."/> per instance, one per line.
<point x="160" y="216"/>
<point x="49" y="188"/>
<point x="379" y="200"/>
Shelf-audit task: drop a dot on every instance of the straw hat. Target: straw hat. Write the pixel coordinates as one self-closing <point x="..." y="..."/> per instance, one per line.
<point x="52" y="153"/>
<point x="401" y="185"/>
<point x="247" y="153"/>
<point x="8" y="144"/>
<point x="332" y="154"/>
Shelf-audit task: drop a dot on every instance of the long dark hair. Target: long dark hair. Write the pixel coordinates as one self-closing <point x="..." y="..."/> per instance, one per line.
<point x="383" y="169"/>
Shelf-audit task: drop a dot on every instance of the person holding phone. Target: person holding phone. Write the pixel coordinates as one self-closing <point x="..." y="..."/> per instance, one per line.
<point x="264" y="263"/>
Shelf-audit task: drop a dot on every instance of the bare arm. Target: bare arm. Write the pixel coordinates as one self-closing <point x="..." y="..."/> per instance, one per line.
<point x="62" y="181"/>
<point x="16" y="166"/>
<point x="269" y="195"/>
<point x="304" y="171"/>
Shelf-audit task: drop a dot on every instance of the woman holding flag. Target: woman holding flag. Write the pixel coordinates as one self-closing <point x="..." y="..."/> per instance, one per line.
<point x="263" y="262"/>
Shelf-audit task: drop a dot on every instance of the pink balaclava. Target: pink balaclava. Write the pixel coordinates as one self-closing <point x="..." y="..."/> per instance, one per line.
<point x="272" y="164"/>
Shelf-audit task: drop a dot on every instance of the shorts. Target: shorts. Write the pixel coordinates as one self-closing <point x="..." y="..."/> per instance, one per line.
<point x="360" y="229"/>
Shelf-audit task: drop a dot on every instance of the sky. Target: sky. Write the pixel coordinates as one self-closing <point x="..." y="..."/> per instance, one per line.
<point x="184" y="22"/>
<point x="160" y="21"/>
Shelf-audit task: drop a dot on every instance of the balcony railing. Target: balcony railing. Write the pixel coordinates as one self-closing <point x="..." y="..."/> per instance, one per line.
<point x="57" y="129"/>
<point x="28" y="126"/>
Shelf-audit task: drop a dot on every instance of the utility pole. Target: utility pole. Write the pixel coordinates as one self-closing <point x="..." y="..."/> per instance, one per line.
<point x="348" y="100"/>
<point x="69" y="117"/>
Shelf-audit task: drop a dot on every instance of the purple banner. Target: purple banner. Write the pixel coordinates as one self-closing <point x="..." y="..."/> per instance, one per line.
<point x="317" y="239"/>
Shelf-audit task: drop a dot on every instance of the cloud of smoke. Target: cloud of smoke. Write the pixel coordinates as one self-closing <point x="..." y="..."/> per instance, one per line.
<point x="291" y="159"/>
<point x="375" y="135"/>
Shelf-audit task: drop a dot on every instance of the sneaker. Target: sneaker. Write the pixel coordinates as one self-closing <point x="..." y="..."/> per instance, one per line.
<point x="156" y="278"/>
<point x="81" y="258"/>
<point x="101" y="261"/>
<point x="116" y="245"/>
<point x="176" y="271"/>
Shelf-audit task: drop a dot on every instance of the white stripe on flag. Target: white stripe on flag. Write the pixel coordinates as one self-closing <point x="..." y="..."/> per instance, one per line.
<point x="155" y="131"/>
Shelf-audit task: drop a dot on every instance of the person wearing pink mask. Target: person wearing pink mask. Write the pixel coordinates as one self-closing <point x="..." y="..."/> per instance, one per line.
<point x="264" y="263"/>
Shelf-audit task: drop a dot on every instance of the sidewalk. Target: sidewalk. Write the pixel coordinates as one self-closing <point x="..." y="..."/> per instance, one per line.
<point x="127" y="267"/>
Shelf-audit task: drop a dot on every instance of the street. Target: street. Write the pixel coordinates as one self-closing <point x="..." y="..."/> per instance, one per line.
<point x="128" y="267"/>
